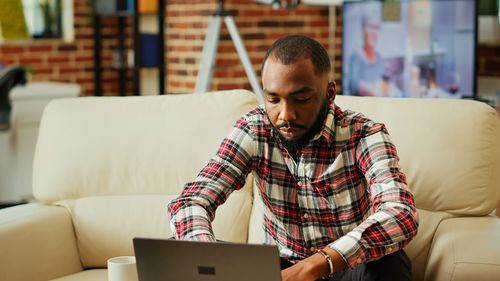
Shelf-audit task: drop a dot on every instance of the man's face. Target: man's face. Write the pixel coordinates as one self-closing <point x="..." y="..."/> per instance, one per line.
<point x="294" y="95"/>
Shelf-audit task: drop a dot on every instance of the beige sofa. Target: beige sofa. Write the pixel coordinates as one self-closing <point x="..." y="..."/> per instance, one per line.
<point x="106" y="167"/>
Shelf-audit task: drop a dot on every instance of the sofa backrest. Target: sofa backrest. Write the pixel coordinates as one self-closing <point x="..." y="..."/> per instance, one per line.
<point x="115" y="163"/>
<point x="449" y="149"/>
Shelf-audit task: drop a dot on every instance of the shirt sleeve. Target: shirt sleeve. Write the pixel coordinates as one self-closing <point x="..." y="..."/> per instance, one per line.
<point x="192" y="213"/>
<point x="394" y="218"/>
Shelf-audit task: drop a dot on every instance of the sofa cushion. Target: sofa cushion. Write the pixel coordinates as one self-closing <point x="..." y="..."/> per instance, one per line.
<point x="131" y="145"/>
<point x="37" y="242"/>
<point x="106" y="225"/>
<point x="449" y="149"/>
<point x="465" y="249"/>
<point x="418" y="249"/>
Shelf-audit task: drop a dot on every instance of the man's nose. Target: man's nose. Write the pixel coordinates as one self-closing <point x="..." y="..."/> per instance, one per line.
<point x="287" y="112"/>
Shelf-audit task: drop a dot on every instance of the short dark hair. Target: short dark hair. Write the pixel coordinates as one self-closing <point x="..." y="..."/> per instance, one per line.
<point x="291" y="48"/>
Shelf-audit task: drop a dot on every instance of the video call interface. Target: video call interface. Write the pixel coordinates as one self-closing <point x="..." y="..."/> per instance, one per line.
<point x="418" y="49"/>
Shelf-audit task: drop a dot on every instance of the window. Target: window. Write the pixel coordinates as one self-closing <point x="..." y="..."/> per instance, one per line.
<point x="37" y="19"/>
<point x="43" y="18"/>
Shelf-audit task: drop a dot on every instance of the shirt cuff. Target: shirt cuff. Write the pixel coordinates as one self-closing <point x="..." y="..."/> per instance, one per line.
<point x="203" y="237"/>
<point x="349" y="249"/>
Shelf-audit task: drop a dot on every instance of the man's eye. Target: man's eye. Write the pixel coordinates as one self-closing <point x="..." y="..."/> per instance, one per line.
<point x="302" y="100"/>
<point x="273" y="101"/>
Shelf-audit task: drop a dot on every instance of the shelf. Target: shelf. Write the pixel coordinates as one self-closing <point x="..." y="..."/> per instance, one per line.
<point x="123" y="14"/>
<point x="111" y="68"/>
<point x="127" y="68"/>
<point x="147" y="13"/>
<point x="140" y="43"/>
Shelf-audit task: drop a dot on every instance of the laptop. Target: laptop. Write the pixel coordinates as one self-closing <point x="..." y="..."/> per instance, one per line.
<point x="174" y="260"/>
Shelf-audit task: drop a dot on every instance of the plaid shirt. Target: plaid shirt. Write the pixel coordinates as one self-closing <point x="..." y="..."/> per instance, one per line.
<point x="345" y="191"/>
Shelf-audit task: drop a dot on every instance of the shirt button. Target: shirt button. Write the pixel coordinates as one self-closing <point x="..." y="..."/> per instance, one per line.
<point x="300" y="183"/>
<point x="313" y="249"/>
<point x="306" y="216"/>
<point x="359" y="261"/>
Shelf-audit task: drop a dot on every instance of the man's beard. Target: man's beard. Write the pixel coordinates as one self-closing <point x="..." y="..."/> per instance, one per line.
<point x="295" y="145"/>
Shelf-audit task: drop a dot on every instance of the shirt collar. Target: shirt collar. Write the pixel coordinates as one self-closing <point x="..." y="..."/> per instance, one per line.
<point x="328" y="130"/>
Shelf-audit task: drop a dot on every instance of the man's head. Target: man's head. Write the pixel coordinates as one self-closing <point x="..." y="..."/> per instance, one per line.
<point x="296" y="86"/>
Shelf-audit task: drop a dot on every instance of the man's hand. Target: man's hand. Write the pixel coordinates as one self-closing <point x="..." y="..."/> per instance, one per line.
<point x="313" y="267"/>
<point x="300" y="271"/>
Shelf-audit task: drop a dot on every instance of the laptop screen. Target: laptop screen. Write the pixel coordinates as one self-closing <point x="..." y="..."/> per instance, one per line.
<point x="173" y="260"/>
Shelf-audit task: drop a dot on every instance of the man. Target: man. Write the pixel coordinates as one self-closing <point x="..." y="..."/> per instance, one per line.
<point x="329" y="179"/>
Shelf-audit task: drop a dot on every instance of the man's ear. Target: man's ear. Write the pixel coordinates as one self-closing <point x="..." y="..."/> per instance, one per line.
<point x="331" y="91"/>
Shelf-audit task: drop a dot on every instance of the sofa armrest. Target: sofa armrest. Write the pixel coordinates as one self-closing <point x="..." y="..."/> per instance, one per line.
<point x="465" y="249"/>
<point x="37" y="242"/>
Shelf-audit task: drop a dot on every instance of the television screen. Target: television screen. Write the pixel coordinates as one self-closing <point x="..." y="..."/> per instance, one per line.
<point x="421" y="49"/>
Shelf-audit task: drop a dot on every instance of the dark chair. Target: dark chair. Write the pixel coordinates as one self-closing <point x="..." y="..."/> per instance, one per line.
<point x="9" y="77"/>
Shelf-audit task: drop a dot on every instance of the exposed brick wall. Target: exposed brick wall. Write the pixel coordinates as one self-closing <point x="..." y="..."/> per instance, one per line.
<point x="186" y="23"/>
<point x="259" y="26"/>
<point x="55" y="60"/>
<point x="185" y="27"/>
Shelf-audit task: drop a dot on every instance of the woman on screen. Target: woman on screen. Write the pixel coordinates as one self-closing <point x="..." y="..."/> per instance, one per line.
<point x="366" y="66"/>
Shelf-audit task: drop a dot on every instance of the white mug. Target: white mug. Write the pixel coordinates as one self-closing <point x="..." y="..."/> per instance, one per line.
<point x="122" y="269"/>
